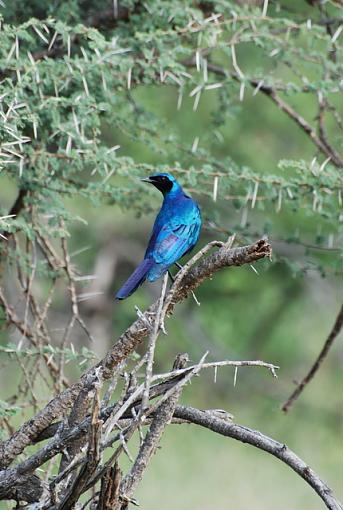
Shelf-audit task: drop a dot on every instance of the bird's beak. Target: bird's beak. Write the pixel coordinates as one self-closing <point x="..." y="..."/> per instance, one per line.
<point x="147" y="179"/>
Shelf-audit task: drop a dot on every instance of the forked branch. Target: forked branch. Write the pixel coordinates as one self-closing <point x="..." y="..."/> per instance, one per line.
<point x="128" y="343"/>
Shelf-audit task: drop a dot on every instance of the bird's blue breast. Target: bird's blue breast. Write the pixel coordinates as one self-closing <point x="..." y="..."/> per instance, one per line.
<point x="175" y="232"/>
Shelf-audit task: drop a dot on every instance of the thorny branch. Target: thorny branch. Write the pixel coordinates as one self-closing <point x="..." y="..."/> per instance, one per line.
<point x="81" y="438"/>
<point x="110" y="17"/>
<point x="319" y="140"/>
<point x="69" y="436"/>
<point x="127" y="344"/>
<point x="158" y="324"/>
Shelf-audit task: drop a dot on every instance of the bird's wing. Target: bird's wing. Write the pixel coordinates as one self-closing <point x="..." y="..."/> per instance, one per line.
<point x="173" y="241"/>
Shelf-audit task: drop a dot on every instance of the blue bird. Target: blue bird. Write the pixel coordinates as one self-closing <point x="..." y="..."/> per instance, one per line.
<point x="175" y="232"/>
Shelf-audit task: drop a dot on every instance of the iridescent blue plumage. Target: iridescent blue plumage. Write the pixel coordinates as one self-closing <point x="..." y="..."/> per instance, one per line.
<point x="175" y="232"/>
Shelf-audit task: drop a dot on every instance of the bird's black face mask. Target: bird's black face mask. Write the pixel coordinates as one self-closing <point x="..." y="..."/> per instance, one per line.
<point x="161" y="182"/>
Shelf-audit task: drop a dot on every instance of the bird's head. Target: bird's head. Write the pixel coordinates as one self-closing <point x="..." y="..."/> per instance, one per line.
<point x="164" y="182"/>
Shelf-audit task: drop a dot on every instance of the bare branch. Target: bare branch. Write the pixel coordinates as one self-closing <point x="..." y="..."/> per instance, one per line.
<point x="161" y="419"/>
<point x="78" y="413"/>
<point x="127" y="343"/>
<point x="262" y="442"/>
<point x="26" y="331"/>
<point x="73" y="493"/>
<point x="109" y="491"/>
<point x="152" y="343"/>
<point x="27" y="487"/>
<point x="215" y="364"/>
<point x="315" y="367"/>
<point x="169" y="380"/>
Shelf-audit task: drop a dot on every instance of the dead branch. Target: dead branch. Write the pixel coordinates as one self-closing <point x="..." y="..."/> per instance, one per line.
<point x="262" y="442"/>
<point x="158" y="324"/>
<point x="161" y="419"/>
<point x="169" y="379"/>
<point x="315" y="367"/>
<point x="27" y="487"/>
<point x="116" y="493"/>
<point x="74" y="491"/>
<point x="122" y="414"/>
<point x="78" y="413"/>
<point x="109" y="491"/>
<point x="127" y="343"/>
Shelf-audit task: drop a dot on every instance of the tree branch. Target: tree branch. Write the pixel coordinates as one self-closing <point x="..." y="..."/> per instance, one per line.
<point x="127" y="343"/>
<point x="270" y="92"/>
<point x="161" y="419"/>
<point x="169" y="380"/>
<point x="73" y="492"/>
<point x="27" y="487"/>
<point x="315" y="367"/>
<point x="262" y="442"/>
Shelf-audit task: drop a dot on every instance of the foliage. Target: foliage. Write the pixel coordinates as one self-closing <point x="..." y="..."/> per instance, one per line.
<point x="7" y="410"/>
<point x="64" y="80"/>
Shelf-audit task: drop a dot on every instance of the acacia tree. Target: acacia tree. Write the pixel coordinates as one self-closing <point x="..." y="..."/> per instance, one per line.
<point x="69" y="71"/>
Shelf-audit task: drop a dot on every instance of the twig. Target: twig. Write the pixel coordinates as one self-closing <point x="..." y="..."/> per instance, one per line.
<point x="161" y="419"/>
<point x="225" y="363"/>
<point x="73" y="296"/>
<point x="109" y="491"/>
<point x="315" y="367"/>
<point x="72" y="494"/>
<point x="188" y="376"/>
<point x="25" y="329"/>
<point x="71" y="435"/>
<point x="77" y="414"/>
<point x="168" y="381"/>
<point x="123" y="406"/>
<point x="126" y="424"/>
<point x="158" y="324"/>
<point x="180" y="361"/>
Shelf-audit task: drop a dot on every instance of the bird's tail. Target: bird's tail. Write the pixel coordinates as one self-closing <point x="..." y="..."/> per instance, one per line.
<point x="135" y="280"/>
